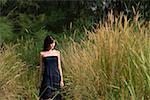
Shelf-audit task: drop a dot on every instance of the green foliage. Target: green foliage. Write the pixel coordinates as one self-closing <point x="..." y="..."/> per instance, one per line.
<point x="2" y="2"/>
<point x="28" y="51"/>
<point x="30" y="46"/>
<point x="55" y="15"/>
<point x="6" y="29"/>
<point x="76" y="30"/>
<point x="30" y="24"/>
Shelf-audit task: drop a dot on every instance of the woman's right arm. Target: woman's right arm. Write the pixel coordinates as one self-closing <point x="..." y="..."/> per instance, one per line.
<point x="40" y="70"/>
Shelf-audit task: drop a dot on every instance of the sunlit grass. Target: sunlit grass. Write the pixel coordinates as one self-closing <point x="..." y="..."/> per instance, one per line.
<point x="18" y="77"/>
<point x="113" y="63"/>
<point x="11" y="69"/>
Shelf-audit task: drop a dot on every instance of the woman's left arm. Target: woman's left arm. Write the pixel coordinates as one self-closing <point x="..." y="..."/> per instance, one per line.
<point x="40" y="71"/>
<point x="60" y="70"/>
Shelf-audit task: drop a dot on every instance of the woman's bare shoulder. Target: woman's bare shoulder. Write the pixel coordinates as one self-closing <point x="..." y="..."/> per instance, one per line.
<point x="42" y="53"/>
<point x="57" y="51"/>
<point x="52" y="53"/>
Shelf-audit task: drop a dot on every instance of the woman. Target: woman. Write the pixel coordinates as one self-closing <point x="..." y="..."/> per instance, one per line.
<point x="50" y="77"/>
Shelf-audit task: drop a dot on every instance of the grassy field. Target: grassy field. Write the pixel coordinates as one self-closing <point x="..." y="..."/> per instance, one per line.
<point x="111" y="63"/>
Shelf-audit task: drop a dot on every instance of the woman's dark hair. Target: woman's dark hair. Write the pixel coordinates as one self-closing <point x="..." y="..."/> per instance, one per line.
<point x="48" y="40"/>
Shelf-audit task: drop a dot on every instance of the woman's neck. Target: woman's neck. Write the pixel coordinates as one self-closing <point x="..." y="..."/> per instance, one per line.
<point x="50" y="50"/>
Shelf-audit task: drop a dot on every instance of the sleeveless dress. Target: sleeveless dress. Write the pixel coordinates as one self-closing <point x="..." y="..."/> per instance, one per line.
<point x="51" y="79"/>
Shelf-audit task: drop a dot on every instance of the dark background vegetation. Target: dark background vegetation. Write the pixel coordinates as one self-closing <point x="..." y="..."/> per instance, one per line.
<point x="28" y="17"/>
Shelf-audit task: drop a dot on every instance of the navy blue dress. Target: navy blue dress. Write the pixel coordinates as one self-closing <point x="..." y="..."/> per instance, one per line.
<point x="51" y="78"/>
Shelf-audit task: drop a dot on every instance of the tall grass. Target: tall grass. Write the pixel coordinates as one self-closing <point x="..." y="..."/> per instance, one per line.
<point x="11" y="69"/>
<point x="112" y="63"/>
<point x="18" y="76"/>
<point x="29" y="52"/>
